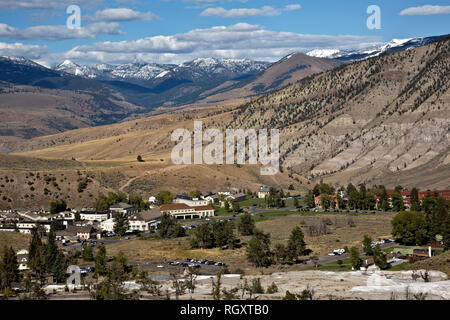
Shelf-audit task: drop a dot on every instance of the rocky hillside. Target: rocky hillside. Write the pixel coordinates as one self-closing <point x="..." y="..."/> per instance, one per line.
<point x="381" y="120"/>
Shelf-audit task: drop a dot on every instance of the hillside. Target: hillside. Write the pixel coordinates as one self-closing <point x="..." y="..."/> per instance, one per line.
<point x="384" y="120"/>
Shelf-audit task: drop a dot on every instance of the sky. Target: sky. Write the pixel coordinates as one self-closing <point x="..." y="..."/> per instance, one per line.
<point x="175" y="31"/>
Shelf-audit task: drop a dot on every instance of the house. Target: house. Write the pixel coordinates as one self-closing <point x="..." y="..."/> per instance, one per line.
<point x="212" y="199"/>
<point x="263" y="191"/>
<point x="184" y="211"/>
<point x="123" y="208"/>
<point x="190" y="201"/>
<point x="369" y="265"/>
<point x="141" y="221"/>
<point x="333" y="201"/>
<point x="22" y="259"/>
<point x="80" y="232"/>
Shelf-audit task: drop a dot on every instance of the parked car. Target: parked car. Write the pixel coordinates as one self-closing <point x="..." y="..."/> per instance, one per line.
<point x="210" y="263"/>
<point x="194" y="265"/>
<point x="183" y="264"/>
<point x="219" y="264"/>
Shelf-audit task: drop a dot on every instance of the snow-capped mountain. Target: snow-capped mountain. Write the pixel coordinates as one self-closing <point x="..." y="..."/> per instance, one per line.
<point x="325" y="53"/>
<point x="200" y="69"/>
<point x="393" y="46"/>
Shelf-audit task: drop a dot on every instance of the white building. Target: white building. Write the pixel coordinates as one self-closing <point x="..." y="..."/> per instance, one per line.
<point x="263" y="192"/>
<point x="107" y="225"/>
<point x="123" y="208"/>
<point x="191" y="201"/>
<point x="94" y="216"/>
<point x="184" y="211"/>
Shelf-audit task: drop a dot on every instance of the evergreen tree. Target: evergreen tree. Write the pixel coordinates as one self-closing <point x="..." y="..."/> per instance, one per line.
<point x="9" y="268"/>
<point x="169" y="227"/>
<point x="397" y="202"/>
<point x="415" y="202"/>
<point x="101" y="261"/>
<point x="246" y="225"/>
<point x="379" y="257"/>
<point x="88" y="254"/>
<point x="258" y="250"/>
<point x="309" y="200"/>
<point x="355" y="259"/>
<point x="296" y="245"/>
<point x="35" y="259"/>
<point x="121" y="224"/>
<point x="367" y="245"/>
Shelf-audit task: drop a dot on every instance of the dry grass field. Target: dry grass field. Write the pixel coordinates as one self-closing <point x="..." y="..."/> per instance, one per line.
<point x="14" y="239"/>
<point x="158" y="250"/>
<point x="340" y="233"/>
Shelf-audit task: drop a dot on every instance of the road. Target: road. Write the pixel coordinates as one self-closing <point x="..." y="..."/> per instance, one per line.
<point x="328" y="259"/>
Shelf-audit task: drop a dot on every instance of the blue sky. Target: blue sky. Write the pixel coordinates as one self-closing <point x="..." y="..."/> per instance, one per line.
<point x="173" y="31"/>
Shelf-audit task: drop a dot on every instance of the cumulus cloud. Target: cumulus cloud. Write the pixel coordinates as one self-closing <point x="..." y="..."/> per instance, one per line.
<point x="22" y="50"/>
<point x="425" y="10"/>
<point x="121" y="14"/>
<point x="241" y="40"/>
<point x="247" y="12"/>
<point x="55" y="33"/>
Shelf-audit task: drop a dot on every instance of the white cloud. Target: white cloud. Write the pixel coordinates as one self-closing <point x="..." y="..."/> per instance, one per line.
<point x="22" y="50"/>
<point x="45" y="4"/>
<point x="426" y="10"/>
<point x="247" y="12"/>
<point x="55" y="33"/>
<point x="292" y="7"/>
<point x="240" y="40"/>
<point x="121" y="14"/>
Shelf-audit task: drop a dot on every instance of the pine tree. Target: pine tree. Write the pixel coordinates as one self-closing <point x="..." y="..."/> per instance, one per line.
<point x="120" y="223"/>
<point x="101" y="262"/>
<point x="9" y="268"/>
<point x="35" y="260"/>
<point x="296" y="244"/>
<point x="355" y="259"/>
<point x="246" y="225"/>
<point x="88" y="254"/>
<point x="367" y="245"/>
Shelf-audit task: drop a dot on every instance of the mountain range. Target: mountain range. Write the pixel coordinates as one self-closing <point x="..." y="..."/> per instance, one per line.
<point x="393" y="46"/>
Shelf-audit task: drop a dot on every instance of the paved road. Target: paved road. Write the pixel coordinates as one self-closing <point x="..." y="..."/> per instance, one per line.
<point x="328" y="259"/>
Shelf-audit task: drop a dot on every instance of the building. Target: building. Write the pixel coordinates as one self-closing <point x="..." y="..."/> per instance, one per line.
<point x="193" y="202"/>
<point x="107" y="225"/>
<point x="94" y="216"/>
<point x="263" y="191"/>
<point x="123" y="208"/>
<point x="152" y="200"/>
<point x="80" y="232"/>
<point x="212" y="198"/>
<point x="184" y="211"/>
<point x="333" y="201"/>
<point x="142" y="221"/>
